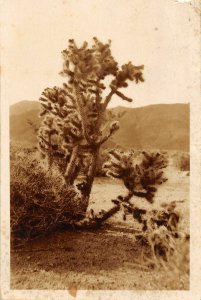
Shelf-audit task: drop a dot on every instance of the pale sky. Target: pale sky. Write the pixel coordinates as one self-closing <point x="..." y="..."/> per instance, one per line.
<point x="161" y="34"/>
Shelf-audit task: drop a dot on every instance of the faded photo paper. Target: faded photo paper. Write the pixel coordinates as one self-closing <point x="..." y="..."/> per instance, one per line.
<point x="100" y="149"/>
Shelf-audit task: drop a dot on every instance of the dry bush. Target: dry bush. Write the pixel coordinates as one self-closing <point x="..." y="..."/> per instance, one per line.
<point x="179" y="262"/>
<point x="39" y="200"/>
<point x="175" y="272"/>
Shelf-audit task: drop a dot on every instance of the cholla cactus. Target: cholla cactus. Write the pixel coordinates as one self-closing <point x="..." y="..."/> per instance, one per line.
<point x="77" y="109"/>
<point x="140" y="179"/>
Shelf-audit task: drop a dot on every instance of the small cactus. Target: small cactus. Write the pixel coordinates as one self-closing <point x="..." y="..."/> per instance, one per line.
<point x="139" y="178"/>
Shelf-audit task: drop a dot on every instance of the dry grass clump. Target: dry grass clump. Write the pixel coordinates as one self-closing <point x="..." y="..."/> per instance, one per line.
<point x="168" y="245"/>
<point x="39" y="200"/>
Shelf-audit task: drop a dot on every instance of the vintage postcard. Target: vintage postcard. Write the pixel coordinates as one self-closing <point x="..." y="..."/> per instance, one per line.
<point x="100" y="149"/>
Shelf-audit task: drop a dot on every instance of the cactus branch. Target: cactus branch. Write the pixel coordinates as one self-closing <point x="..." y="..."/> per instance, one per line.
<point x="108" y="98"/>
<point x="123" y="97"/>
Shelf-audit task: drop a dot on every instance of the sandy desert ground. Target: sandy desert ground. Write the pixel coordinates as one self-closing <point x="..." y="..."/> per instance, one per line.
<point x="108" y="258"/>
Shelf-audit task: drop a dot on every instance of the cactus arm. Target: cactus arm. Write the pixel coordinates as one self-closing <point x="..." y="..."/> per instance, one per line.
<point x="123" y="97"/>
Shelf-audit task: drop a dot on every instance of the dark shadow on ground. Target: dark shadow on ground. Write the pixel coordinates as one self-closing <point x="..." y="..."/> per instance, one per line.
<point x="78" y="251"/>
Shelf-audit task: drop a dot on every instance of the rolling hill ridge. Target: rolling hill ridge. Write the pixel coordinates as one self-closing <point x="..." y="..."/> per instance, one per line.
<point x="161" y="126"/>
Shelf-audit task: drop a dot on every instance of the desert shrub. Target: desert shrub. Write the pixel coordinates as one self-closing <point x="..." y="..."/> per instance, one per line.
<point x="179" y="262"/>
<point x="182" y="161"/>
<point x="40" y="201"/>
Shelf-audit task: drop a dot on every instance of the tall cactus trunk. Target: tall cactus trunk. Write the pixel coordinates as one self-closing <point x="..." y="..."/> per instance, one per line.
<point x="71" y="174"/>
<point x="90" y="177"/>
<point x="71" y="170"/>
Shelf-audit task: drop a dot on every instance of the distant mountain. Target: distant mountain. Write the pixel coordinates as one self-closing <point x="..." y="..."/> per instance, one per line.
<point x="24" y="107"/>
<point x="162" y="126"/>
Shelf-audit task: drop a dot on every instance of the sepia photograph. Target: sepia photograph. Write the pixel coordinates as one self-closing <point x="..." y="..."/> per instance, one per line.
<point x="100" y="132"/>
